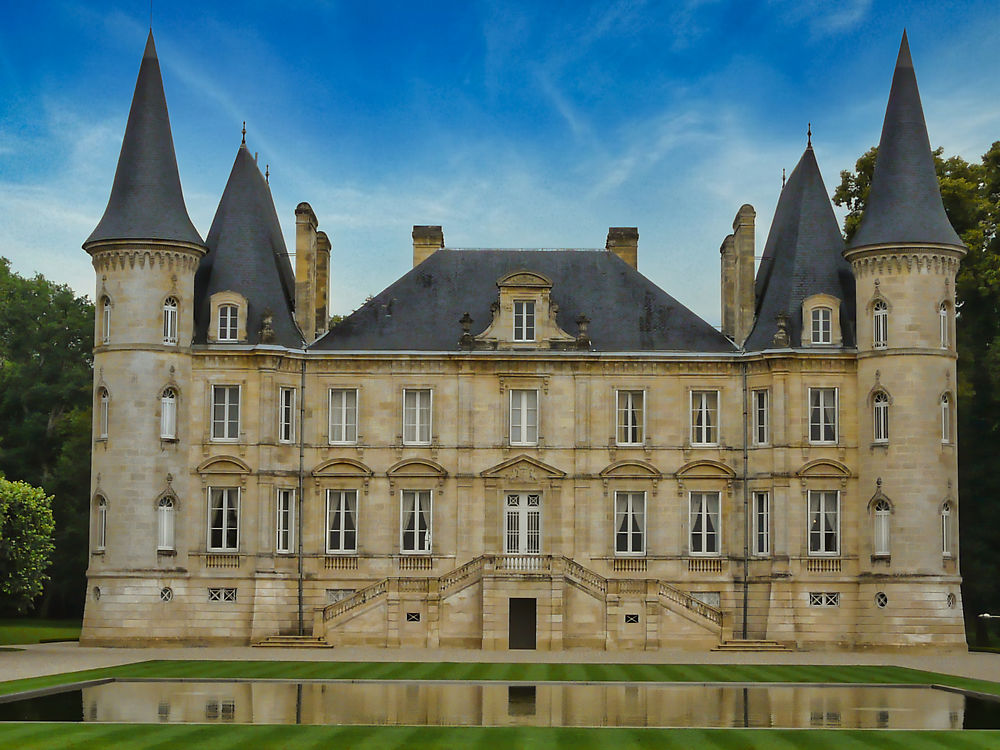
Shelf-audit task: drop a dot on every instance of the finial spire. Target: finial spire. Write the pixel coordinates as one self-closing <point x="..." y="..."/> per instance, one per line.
<point x="809" y="136"/>
<point x="782" y="178"/>
<point x="267" y="173"/>
<point x="244" y="132"/>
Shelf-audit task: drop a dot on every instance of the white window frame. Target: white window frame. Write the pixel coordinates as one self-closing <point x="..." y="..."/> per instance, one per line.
<point x="630" y="418"/>
<point x="945" y="325"/>
<point x="105" y="319"/>
<point x="101" y="524"/>
<point x="338" y="509"/>
<point x="523" y="411"/>
<point x="418" y="512"/>
<point x="824" y="598"/>
<point x="226" y="507"/>
<point x="945" y="418"/>
<point x="103" y="413"/>
<point x="524" y="320"/>
<point x="699" y="517"/>
<point x="706" y="412"/>
<point x="760" y="524"/>
<point x="817" y="515"/>
<point x="170" y="311"/>
<point x="286" y="414"/>
<point x="880" y="325"/>
<point x="946" y="530"/>
<point x="344" y="416"/>
<point x="168" y="414"/>
<point x="880" y="417"/>
<point x="822" y="424"/>
<point x="225" y="424"/>
<point x="412" y="432"/>
<point x="166" y="515"/>
<point x="630" y="509"/>
<point x="760" y="402"/>
<point x="229" y="322"/>
<point x="881" y="528"/>
<point x="522" y="523"/>
<point x="821" y="318"/>
<point x="284" y="522"/>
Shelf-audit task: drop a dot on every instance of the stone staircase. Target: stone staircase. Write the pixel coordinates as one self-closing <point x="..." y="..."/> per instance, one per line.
<point x="752" y="646"/>
<point x="292" y="641"/>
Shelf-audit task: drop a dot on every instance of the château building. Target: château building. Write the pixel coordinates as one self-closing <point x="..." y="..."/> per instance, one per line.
<point x="524" y="448"/>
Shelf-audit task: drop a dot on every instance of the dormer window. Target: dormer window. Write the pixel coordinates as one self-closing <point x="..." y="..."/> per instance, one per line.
<point x="821" y="329"/>
<point x="821" y="321"/>
<point x="228" y="323"/>
<point x="170" y="320"/>
<point x="524" y="320"/>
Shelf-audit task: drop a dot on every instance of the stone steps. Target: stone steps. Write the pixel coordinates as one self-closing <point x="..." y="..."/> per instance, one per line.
<point x="753" y="646"/>
<point x="292" y="641"/>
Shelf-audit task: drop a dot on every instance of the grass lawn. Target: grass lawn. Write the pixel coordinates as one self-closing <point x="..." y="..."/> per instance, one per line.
<point x="41" y="735"/>
<point x="27" y="630"/>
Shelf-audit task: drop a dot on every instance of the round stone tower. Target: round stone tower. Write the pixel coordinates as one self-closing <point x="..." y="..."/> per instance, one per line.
<point x="904" y="257"/>
<point x="145" y="251"/>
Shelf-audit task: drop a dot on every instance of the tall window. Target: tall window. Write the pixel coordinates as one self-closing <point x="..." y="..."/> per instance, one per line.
<point x="945" y="418"/>
<point x="946" y="529"/>
<point x="223" y="519"/>
<point x="286" y="415"/>
<point x="704" y="417"/>
<point x="343" y="415"/>
<point x="880" y="416"/>
<point x="943" y="322"/>
<point x="630" y="523"/>
<point x="101" y="524"/>
<point x="704" y="519"/>
<point x="824" y="522"/>
<point x="228" y="322"/>
<point x="165" y="524"/>
<point x="168" y="414"/>
<point x="523" y="417"/>
<point x="761" y="418"/>
<point x="882" y="512"/>
<point x="170" y="320"/>
<point x="880" y="325"/>
<point x="524" y="320"/>
<point x="417" y="416"/>
<point x="285" y="521"/>
<point x="105" y="320"/>
<point x="631" y="417"/>
<point x="823" y="415"/>
<point x="523" y="524"/>
<point x="225" y="412"/>
<point x="342" y="520"/>
<point x="103" y="407"/>
<point x="821" y="330"/>
<point x="760" y="530"/>
<point x="415" y="528"/>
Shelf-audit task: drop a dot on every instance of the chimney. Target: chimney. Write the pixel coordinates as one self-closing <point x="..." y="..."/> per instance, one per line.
<point x="427" y="240"/>
<point x="624" y="242"/>
<point x="743" y="243"/>
<point x="728" y="253"/>
<point x="305" y="270"/>
<point x="322" y="283"/>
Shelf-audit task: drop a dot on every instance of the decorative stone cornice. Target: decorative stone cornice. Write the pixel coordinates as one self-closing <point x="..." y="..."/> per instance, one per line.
<point x="899" y="259"/>
<point x="127" y="254"/>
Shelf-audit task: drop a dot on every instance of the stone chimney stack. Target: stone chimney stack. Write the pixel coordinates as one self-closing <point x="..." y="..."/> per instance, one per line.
<point x="305" y="270"/>
<point x="743" y="247"/>
<point x="427" y="240"/>
<point x="728" y="253"/>
<point x="624" y="242"/>
<point x="322" y="283"/>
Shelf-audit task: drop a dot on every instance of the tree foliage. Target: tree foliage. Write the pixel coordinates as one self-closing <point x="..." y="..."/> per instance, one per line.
<point x="46" y="377"/>
<point x="971" y="196"/>
<point x="26" y="546"/>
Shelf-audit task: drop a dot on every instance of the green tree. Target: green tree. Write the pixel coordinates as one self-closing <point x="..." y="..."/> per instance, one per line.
<point x="971" y="196"/>
<point x="26" y="546"/>
<point x="46" y="379"/>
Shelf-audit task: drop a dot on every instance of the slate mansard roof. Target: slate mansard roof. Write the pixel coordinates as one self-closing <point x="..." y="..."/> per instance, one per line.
<point x="146" y="201"/>
<point x="421" y="311"/>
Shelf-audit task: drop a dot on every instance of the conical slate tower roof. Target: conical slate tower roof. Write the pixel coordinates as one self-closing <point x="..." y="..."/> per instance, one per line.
<point x="146" y="200"/>
<point x="905" y="200"/>
<point x="802" y="257"/>
<point x="246" y="254"/>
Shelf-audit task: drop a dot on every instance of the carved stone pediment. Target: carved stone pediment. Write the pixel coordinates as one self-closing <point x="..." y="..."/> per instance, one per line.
<point x="223" y="465"/>
<point x="823" y="468"/>
<point x="706" y="469"/>
<point x="416" y="467"/>
<point x="342" y="467"/>
<point x="523" y="468"/>
<point x="630" y="470"/>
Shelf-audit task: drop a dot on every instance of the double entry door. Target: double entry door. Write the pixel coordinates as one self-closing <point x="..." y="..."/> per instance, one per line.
<point x="522" y="523"/>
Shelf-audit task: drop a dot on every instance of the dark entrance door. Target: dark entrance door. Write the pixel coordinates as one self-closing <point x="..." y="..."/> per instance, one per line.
<point x="522" y="623"/>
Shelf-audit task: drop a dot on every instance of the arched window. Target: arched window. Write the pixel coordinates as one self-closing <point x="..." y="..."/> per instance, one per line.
<point x="105" y="320"/>
<point x="880" y="416"/>
<point x="103" y="403"/>
<point x="943" y="321"/>
<point x="228" y="323"/>
<point x="168" y="414"/>
<point x="945" y="418"/>
<point x="100" y="524"/>
<point x="882" y="512"/>
<point x="880" y="325"/>
<point x="946" y="529"/>
<point x="165" y="524"/>
<point x="821" y="325"/>
<point x="170" y="320"/>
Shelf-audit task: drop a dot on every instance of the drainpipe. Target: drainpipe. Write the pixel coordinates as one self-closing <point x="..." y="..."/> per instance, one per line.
<point x="746" y="497"/>
<point x="298" y="494"/>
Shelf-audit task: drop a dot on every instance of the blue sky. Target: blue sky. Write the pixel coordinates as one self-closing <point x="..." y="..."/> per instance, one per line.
<point x="512" y="124"/>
